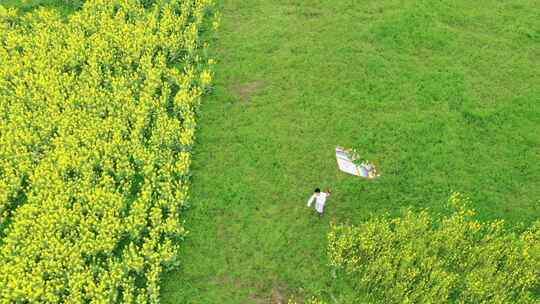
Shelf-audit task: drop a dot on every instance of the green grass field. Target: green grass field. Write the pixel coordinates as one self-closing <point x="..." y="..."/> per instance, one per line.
<point x="442" y="95"/>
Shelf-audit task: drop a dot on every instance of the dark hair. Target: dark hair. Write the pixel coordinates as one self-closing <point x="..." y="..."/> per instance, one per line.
<point x="317" y="190"/>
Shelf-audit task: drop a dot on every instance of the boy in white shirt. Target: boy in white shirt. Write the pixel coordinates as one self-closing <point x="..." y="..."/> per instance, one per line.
<point x="320" y="200"/>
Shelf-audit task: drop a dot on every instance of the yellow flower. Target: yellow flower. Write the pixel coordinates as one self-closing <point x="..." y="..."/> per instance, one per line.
<point x="206" y="77"/>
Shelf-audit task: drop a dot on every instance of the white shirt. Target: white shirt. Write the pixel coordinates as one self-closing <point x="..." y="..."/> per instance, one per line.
<point x="320" y="200"/>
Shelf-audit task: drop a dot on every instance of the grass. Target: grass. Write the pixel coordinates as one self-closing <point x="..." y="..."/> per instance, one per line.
<point x="442" y="96"/>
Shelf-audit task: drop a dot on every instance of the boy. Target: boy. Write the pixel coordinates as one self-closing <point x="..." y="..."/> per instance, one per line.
<point x="320" y="198"/>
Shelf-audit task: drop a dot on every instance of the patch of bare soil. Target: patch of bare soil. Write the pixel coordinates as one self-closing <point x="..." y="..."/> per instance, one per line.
<point x="278" y="295"/>
<point x="246" y="90"/>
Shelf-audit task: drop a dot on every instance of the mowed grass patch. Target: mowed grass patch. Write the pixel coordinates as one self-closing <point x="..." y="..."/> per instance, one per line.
<point x="441" y="96"/>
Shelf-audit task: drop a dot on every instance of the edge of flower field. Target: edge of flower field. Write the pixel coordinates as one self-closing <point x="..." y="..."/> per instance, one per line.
<point x="121" y="190"/>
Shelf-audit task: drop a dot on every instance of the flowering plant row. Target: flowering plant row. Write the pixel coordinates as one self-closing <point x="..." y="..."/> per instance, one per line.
<point x="97" y="120"/>
<point x="417" y="259"/>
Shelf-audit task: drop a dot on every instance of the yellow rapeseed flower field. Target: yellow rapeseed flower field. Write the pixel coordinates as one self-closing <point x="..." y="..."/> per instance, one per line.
<point x="418" y="258"/>
<point x="97" y="120"/>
